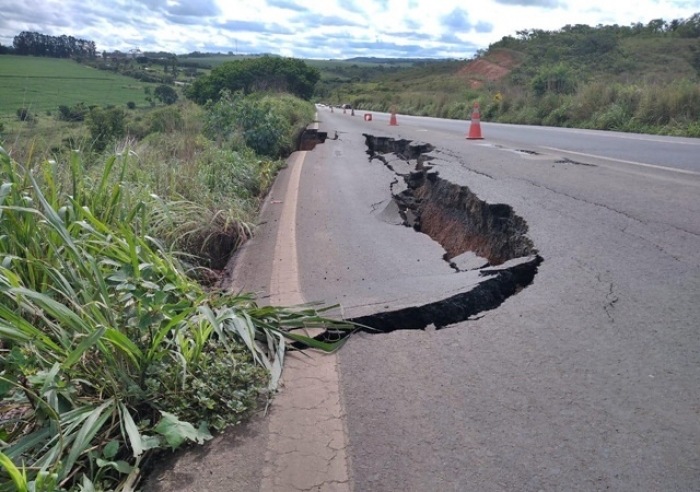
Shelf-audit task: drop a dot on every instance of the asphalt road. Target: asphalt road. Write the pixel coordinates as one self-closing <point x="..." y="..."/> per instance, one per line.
<point x="632" y="149"/>
<point x="585" y="380"/>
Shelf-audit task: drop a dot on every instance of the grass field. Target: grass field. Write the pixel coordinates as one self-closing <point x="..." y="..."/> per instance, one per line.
<point x="42" y="84"/>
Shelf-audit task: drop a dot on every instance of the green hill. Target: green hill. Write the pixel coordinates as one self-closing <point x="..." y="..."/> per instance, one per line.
<point x="640" y="78"/>
<point x="42" y="84"/>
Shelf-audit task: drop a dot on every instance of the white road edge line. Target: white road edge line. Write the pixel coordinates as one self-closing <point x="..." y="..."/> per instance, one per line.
<point x="622" y="161"/>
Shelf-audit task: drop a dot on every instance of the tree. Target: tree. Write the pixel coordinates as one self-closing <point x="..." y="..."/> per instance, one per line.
<point x="558" y="79"/>
<point x="165" y="94"/>
<point x="263" y="74"/>
<point x="73" y="113"/>
<point x="37" y="44"/>
<point x="106" y="125"/>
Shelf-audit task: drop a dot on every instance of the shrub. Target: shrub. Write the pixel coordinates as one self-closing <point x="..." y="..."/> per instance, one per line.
<point x="267" y="125"/>
<point x="614" y="117"/>
<point x="77" y="112"/>
<point x="165" y="120"/>
<point x="106" y="125"/>
<point x="131" y="105"/>
<point x="165" y="94"/>
<point x="24" y="115"/>
<point x="110" y="351"/>
<point x="558" y="79"/>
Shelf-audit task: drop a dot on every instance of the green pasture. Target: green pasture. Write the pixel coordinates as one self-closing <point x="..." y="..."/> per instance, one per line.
<point x="42" y="84"/>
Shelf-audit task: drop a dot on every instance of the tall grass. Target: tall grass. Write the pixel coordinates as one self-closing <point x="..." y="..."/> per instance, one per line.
<point x="110" y="351"/>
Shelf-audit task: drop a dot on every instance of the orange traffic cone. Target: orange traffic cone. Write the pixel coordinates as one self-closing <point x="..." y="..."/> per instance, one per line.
<point x="392" y="120"/>
<point x="475" y="127"/>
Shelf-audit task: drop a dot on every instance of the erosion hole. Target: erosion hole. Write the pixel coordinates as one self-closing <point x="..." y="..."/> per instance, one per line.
<point x="458" y="220"/>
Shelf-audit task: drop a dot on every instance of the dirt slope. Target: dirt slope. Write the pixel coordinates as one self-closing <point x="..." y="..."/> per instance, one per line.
<point x="492" y="67"/>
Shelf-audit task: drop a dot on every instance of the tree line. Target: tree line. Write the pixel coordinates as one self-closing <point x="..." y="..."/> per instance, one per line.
<point x="603" y="36"/>
<point x="264" y="74"/>
<point x="29" y="43"/>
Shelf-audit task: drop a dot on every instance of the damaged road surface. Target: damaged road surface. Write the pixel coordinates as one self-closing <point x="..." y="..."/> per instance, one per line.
<point x="578" y="372"/>
<point x="461" y="224"/>
<point x="567" y="286"/>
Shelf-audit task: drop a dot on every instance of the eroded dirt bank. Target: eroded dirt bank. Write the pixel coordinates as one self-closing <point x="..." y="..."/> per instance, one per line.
<point x="451" y="214"/>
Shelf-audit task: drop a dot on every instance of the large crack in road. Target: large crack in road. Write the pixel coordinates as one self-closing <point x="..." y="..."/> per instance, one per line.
<point x="491" y="238"/>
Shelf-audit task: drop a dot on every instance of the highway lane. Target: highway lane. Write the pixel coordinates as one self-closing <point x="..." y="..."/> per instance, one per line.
<point x="655" y="150"/>
<point x="585" y="380"/>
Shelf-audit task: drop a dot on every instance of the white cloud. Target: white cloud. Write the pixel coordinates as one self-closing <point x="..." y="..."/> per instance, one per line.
<point x="329" y="29"/>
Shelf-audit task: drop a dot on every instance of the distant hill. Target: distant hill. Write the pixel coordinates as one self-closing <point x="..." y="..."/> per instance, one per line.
<point x="641" y="78"/>
<point x="389" y="61"/>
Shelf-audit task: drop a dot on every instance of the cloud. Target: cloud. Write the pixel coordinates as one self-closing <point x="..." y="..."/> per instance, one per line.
<point x="201" y="8"/>
<point x="334" y="29"/>
<point x="547" y="4"/>
<point x="449" y="38"/>
<point x="312" y="20"/>
<point x="254" y="27"/>
<point x="184" y="20"/>
<point x="457" y="20"/>
<point x="287" y="5"/>
<point x="410" y="35"/>
<point x="412" y="24"/>
<point x="351" y="6"/>
<point x="483" y="27"/>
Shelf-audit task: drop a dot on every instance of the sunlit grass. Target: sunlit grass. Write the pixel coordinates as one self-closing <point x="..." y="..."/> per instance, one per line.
<point x="110" y="349"/>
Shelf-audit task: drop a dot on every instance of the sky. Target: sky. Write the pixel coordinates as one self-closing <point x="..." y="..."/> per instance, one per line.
<point x="318" y="29"/>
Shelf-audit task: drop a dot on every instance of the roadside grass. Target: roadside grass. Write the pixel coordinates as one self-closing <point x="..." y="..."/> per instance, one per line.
<point x="644" y="98"/>
<point x="42" y="84"/>
<point x="113" y="346"/>
<point x="110" y="350"/>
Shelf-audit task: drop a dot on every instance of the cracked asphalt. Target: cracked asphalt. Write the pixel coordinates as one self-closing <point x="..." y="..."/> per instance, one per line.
<point x="587" y="380"/>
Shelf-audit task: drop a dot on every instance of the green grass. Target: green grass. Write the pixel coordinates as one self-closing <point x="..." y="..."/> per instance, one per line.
<point x="42" y="84"/>
<point x="110" y="347"/>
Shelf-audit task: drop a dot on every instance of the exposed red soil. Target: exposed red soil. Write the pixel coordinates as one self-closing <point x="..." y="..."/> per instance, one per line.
<point x="498" y="64"/>
<point x="485" y="69"/>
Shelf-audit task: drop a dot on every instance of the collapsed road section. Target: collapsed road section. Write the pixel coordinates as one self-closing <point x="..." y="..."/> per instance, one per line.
<point x="482" y="240"/>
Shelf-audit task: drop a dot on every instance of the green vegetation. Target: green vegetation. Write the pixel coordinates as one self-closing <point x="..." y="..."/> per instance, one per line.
<point x="111" y="350"/>
<point x="114" y="342"/>
<point x="36" y="44"/>
<point x="43" y="84"/>
<point x="638" y="78"/>
<point x="165" y="94"/>
<point x="268" y="125"/>
<point x="265" y="74"/>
